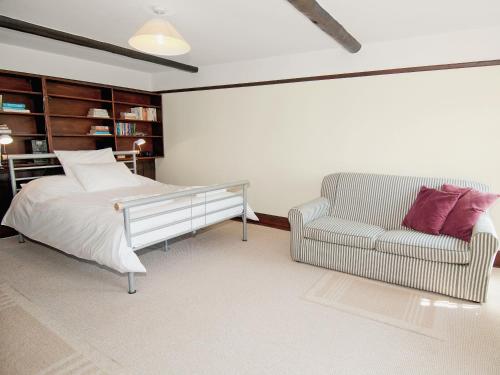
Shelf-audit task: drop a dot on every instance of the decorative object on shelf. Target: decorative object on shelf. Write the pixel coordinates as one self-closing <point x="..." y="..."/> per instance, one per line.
<point x="139" y="143"/>
<point x="98" y="112"/>
<point x="159" y="37"/>
<point x="5" y="139"/>
<point x="37" y="146"/>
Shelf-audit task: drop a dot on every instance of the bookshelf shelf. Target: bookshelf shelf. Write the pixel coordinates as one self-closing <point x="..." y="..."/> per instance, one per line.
<point x="28" y="134"/>
<point x="132" y="121"/>
<point x="139" y="136"/>
<point x="82" y="117"/>
<point x="85" y="135"/>
<point x="81" y="98"/>
<point x="137" y="104"/>
<point x="7" y="113"/>
<point x="139" y="158"/>
<point x="25" y="92"/>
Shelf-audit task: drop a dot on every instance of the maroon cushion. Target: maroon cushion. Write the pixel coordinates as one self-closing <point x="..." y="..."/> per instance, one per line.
<point x="429" y="211"/>
<point x="470" y="206"/>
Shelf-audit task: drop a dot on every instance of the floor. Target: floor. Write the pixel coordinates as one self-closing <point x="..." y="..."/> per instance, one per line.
<point x="216" y="305"/>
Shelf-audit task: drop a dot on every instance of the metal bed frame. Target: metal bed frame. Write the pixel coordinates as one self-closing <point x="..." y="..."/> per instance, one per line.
<point x="126" y="206"/>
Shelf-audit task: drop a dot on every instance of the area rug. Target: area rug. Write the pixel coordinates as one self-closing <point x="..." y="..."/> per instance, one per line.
<point x="30" y="343"/>
<point x="405" y="308"/>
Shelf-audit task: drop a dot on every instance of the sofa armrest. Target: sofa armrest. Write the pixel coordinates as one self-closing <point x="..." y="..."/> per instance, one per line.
<point x="484" y="235"/>
<point x="309" y="211"/>
<point x="301" y="215"/>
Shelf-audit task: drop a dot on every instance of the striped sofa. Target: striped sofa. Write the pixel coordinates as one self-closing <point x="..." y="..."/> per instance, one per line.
<point x="355" y="227"/>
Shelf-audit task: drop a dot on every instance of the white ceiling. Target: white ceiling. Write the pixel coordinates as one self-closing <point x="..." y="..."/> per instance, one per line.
<point x="222" y="31"/>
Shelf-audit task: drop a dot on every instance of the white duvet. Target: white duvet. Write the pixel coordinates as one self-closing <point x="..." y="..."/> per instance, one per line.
<point x="56" y="211"/>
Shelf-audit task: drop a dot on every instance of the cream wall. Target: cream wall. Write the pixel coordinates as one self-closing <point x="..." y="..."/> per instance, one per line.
<point x="285" y="138"/>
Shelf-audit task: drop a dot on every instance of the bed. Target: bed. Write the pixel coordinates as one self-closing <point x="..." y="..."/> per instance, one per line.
<point x="108" y="226"/>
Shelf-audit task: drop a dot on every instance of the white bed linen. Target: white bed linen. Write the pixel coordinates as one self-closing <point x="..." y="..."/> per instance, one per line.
<point x="86" y="224"/>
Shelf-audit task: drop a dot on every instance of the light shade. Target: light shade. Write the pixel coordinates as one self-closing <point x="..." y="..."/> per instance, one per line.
<point x="139" y="142"/>
<point x="5" y="139"/>
<point x="159" y="37"/>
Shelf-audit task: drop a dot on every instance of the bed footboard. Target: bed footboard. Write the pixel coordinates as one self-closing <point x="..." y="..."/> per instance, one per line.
<point x="130" y="218"/>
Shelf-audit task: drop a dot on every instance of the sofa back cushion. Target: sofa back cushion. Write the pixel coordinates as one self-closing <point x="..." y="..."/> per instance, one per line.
<point x="379" y="199"/>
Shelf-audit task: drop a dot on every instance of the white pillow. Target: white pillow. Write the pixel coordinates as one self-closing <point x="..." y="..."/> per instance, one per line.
<point x="105" y="176"/>
<point x="70" y="158"/>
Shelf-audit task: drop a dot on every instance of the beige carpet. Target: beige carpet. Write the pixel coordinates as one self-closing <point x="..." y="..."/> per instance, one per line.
<point x="217" y="305"/>
<point x="30" y="343"/>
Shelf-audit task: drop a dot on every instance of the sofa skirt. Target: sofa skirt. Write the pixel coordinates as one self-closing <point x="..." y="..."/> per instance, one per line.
<point x="465" y="281"/>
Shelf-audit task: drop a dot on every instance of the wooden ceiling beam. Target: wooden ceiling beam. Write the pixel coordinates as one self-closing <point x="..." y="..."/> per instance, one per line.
<point x="321" y="18"/>
<point x="30" y="28"/>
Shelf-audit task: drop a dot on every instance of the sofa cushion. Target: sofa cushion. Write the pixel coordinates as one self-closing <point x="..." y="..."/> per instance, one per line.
<point x="470" y="206"/>
<point x="424" y="246"/>
<point x="429" y="211"/>
<point x="343" y="232"/>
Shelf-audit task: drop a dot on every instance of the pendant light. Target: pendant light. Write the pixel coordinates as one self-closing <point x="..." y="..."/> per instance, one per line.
<point x="159" y="37"/>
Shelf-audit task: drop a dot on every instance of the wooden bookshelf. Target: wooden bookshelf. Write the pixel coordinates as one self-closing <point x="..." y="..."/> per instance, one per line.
<point x="58" y="114"/>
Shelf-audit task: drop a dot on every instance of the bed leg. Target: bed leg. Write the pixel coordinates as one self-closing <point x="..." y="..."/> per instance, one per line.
<point x="245" y="230"/>
<point x="244" y="214"/>
<point x="131" y="283"/>
<point x="166" y="246"/>
<point x="193" y="233"/>
<point x="20" y="238"/>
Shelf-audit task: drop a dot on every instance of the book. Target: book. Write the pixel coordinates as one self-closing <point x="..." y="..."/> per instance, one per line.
<point x="142" y="113"/>
<point x="6" y="109"/>
<point x="99" y="133"/>
<point x="125" y="128"/>
<point x="14" y="105"/>
<point x="98" y="112"/>
<point x="99" y="127"/>
<point x="128" y="115"/>
<point x="99" y="130"/>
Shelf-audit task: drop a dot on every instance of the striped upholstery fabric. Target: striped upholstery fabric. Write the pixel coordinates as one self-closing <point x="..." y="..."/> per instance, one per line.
<point x="468" y="282"/>
<point x="302" y="215"/>
<point x="379" y="199"/>
<point x="419" y="245"/>
<point x="443" y="265"/>
<point x="343" y="232"/>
